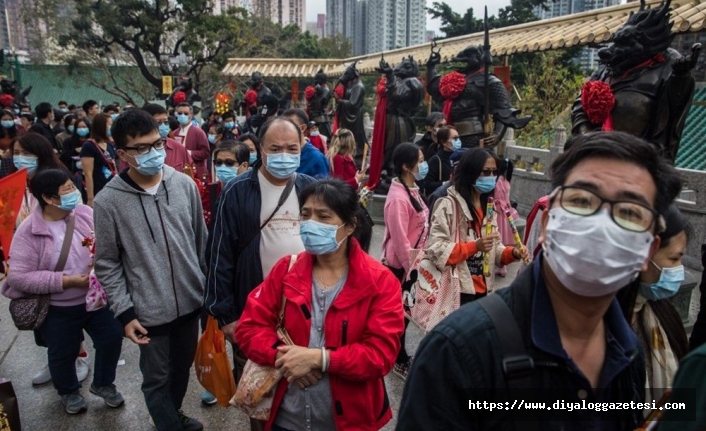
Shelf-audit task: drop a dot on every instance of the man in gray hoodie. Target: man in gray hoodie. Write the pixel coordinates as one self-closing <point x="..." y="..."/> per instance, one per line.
<point x="150" y="242"/>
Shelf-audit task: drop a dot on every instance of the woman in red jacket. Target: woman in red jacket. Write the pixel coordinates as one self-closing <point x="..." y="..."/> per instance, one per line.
<point x="340" y="156"/>
<point x="343" y="312"/>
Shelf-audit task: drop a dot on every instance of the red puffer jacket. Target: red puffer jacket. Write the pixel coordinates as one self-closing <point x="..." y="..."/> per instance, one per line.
<point x="362" y="330"/>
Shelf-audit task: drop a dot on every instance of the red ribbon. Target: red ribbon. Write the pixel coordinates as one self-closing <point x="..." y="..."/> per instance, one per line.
<point x="377" y="150"/>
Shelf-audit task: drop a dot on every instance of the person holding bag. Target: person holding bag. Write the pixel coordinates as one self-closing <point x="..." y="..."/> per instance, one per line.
<point x="467" y="200"/>
<point x="343" y="312"/>
<point x="50" y="257"/>
<point x="406" y="225"/>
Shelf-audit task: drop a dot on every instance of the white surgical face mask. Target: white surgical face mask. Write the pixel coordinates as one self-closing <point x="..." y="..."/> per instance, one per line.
<point x="593" y="256"/>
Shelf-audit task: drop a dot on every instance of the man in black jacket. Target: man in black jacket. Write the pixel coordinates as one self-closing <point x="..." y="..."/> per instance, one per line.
<point x="45" y="115"/>
<point x="575" y="345"/>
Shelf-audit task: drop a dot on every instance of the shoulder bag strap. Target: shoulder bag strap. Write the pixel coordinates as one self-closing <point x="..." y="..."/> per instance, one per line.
<point x="280" y="319"/>
<point x="109" y="163"/>
<point x="66" y="245"/>
<point x="282" y="199"/>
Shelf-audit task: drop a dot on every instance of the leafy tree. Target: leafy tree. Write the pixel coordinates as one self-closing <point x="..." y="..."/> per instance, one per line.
<point x="336" y="46"/>
<point x="454" y="24"/>
<point x="549" y="90"/>
<point x="143" y="33"/>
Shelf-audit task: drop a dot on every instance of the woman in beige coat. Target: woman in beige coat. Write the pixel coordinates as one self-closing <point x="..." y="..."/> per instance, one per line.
<point x="473" y="184"/>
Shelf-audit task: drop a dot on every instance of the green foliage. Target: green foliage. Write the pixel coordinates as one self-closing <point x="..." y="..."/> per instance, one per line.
<point x="547" y="95"/>
<point x="454" y="24"/>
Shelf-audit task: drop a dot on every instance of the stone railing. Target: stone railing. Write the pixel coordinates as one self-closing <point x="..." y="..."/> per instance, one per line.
<point x="531" y="180"/>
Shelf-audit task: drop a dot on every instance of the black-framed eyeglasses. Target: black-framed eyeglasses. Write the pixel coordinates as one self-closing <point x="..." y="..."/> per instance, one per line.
<point x="489" y="173"/>
<point x="146" y="148"/>
<point x="228" y="162"/>
<point x="632" y="216"/>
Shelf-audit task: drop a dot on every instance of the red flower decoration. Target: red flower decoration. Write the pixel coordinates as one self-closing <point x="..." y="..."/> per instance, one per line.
<point x="431" y="299"/>
<point x="340" y="91"/>
<point x="179" y="97"/>
<point x="452" y="85"/>
<point x="382" y="87"/>
<point x="251" y="97"/>
<point x="597" y="100"/>
<point x="6" y="100"/>
<point x="309" y="93"/>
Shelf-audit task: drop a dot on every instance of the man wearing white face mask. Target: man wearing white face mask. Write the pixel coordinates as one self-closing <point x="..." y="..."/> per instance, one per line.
<point x="256" y="224"/>
<point x="150" y="243"/>
<point x="177" y="155"/>
<point x="194" y="139"/>
<point x="557" y="333"/>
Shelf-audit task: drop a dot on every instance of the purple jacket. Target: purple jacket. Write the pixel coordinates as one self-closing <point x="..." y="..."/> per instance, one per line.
<point x="31" y="255"/>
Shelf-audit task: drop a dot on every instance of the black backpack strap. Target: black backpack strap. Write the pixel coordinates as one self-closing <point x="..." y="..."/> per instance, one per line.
<point x="517" y="364"/>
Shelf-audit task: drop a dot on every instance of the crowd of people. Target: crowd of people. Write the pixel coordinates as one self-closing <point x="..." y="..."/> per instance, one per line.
<point x="115" y="197"/>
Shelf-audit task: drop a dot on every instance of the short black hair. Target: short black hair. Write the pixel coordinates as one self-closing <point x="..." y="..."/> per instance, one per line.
<point x="185" y="104"/>
<point x="300" y="114"/>
<point x="132" y="124"/>
<point x="43" y="110"/>
<point x="343" y="200"/>
<point x="432" y="118"/>
<point x="62" y="102"/>
<point x="28" y="117"/>
<point x="625" y="147"/>
<point x="228" y="114"/>
<point x="68" y="118"/>
<point x="240" y="150"/>
<point x="109" y="108"/>
<point x="88" y="104"/>
<point x="283" y="119"/>
<point x="47" y="183"/>
<point x="253" y="138"/>
<point x="71" y="107"/>
<point x="154" y="109"/>
<point x="675" y="223"/>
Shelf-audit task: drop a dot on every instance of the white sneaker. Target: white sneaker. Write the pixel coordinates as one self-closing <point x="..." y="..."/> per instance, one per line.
<point x="81" y="369"/>
<point x="42" y="377"/>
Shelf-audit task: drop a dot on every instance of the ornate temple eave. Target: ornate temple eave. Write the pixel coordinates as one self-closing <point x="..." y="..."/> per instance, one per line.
<point x="593" y="27"/>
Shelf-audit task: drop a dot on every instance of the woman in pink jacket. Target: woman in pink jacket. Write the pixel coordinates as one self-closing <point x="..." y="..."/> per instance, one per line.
<point x="35" y="254"/>
<point x="406" y="225"/>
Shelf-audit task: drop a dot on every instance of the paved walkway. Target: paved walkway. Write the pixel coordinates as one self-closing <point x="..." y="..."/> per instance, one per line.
<point x="41" y="409"/>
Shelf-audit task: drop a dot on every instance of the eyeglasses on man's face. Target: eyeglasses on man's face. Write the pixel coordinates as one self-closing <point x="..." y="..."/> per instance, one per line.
<point x="145" y="148"/>
<point x="629" y="215"/>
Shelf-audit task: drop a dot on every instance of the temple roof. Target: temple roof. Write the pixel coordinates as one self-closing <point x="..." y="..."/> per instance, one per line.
<point x="593" y="27"/>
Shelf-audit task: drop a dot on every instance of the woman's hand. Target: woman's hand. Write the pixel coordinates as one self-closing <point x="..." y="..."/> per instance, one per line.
<point x="521" y="253"/>
<point x="310" y="379"/>
<point x="80" y="281"/>
<point x="296" y="361"/>
<point x="485" y="243"/>
<point x="360" y="177"/>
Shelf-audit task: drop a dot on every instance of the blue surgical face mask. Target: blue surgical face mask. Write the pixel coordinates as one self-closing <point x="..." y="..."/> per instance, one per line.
<point x="29" y="162"/>
<point x="151" y="164"/>
<point x="108" y="133"/>
<point x="314" y="134"/>
<point x="485" y="184"/>
<point x="70" y="129"/>
<point x="64" y="110"/>
<point x="211" y="138"/>
<point x="163" y="130"/>
<point x="70" y="201"/>
<point x="456" y="143"/>
<point x="253" y="158"/>
<point x="670" y="280"/>
<point x="282" y="165"/>
<point x="319" y="238"/>
<point x="183" y="119"/>
<point x="423" y="171"/>
<point x="229" y="125"/>
<point x="226" y="173"/>
<point x="114" y="116"/>
<point x="82" y="132"/>
<point x="7" y="124"/>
